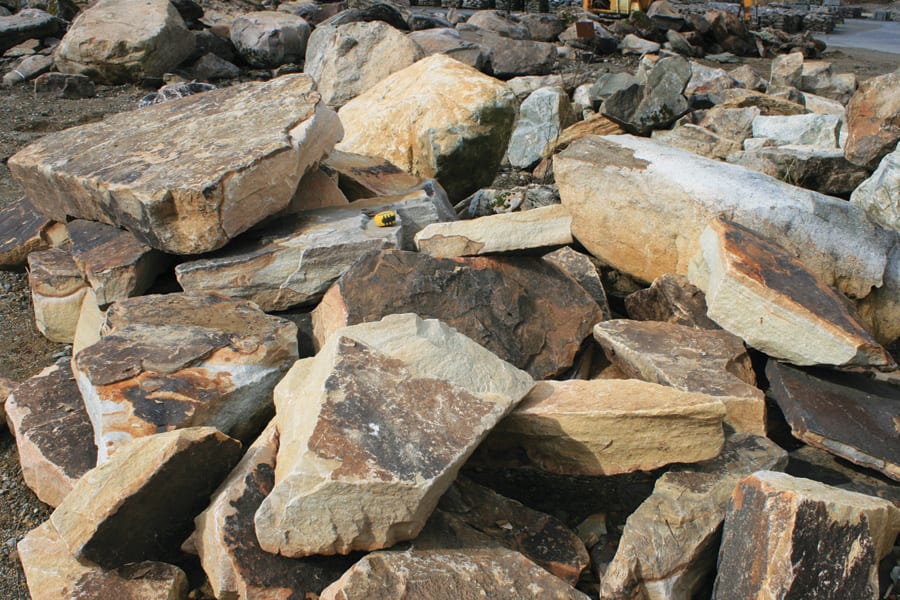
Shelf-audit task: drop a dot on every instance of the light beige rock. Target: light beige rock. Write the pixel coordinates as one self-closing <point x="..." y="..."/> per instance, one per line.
<point x="437" y="118"/>
<point x="346" y="60"/>
<point x="373" y="430"/>
<point x="698" y="140"/>
<point x="90" y="322"/>
<point x="317" y="189"/>
<point x="184" y="177"/>
<point x="531" y="229"/>
<point x="53" y="573"/>
<point x="608" y="427"/>
<point x="448" y="574"/>
<point x="6" y="388"/>
<point x="120" y="41"/>
<point x="140" y="504"/>
<point x="762" y="294"/>
<point x="879" y="195"/>
<point x="57" y="291"/>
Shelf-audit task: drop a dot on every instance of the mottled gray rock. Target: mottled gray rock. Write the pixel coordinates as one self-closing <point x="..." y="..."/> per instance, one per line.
<point x="448" y="41"/>
<point x="699" y="140"/>
<point x="64" y="85"/>
<point x="787" y="70"/>
<point x="542" y="117"/>
<point x="511" y="58"/>
<point x="811" y="167"/>
<point x="270" y="38"/>
<point x="632" y="44"/>
<point x="29" y="23"/>
<point x="820" y="131"/>
<point x="879" y="195"/>
<point x="501" y="23"/>
<point x="657" y="103"/>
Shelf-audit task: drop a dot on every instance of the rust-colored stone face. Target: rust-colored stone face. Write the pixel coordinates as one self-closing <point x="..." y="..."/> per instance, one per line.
<point x="873" y="120"/>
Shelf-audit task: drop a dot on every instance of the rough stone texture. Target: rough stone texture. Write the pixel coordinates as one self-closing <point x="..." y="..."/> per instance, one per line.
<point x="57" y="291"/>
<point x="64" y="85"/>
<point x="318" y="188"/>
<point x="492" y="573"/>
<point x="153" y="173"/>
<point x="292" y="262"/>
<point x="180" y="360"/>
<point x="879" y="195"/>
<point x="22" y="231"/>
<point x="632" y="44"/>
<point x="825" y="171"/>
<point x="803" y="539"/>
<point x="672" y="299"/>
<point x="669" y="543"/>
<point x="90" y="321"/>
<point x="446" y="40"/>
<point x="510" y="58"/>
<point x="502" y="24"/>
<point x="656" y="104"/>
<point x="118" y="41"/>
<point x="707" y="84"/>
<point x="374" y="429"/>
<point x="522" y="309"/>
<point x="787" y="70"/>
<point x="437" y="118"/>
<point x="820" y="131"/>
<point x="848" y="415"/>
<point x="699" y="140"/>
<point x="767" y="105"/>
<point x="732" y="123"/>
<point x="471" y="516"/>
<point x="361" y="176"/>
<point x="7" y="386"/>
<point x="346" y="60"/>
<point x="269" y="38"/>
<point x="873" y="120"/>
<point x="53" y="573"/>
<point x="225" y="537"/>
<point x="772" y="301"/>
<point x="610" y="186"/>
<point x="27" y="24"/>
<point x="595" y="125"/>
<point x="609" y="427"/>
<point x="582" y="269"/>
<point x="140" y="504"/>
<point x="537" y="228"/>
<point x="542" y="117"/>
<point x="693" y="360"/>
<point x="115" y="263"/>
<point x="53" y="433"/>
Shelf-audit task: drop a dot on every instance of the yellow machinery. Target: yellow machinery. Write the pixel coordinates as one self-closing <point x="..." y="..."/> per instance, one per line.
<point x="617" y="8"/>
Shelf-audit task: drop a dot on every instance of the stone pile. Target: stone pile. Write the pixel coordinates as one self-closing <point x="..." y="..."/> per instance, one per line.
<point x="296" y="372"/>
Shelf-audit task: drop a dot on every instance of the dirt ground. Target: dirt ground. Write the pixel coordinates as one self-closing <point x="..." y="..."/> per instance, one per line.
<point x="24" y="352"/>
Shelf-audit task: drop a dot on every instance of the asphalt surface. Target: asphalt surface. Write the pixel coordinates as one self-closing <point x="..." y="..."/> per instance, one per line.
<point x="882" y="36"/>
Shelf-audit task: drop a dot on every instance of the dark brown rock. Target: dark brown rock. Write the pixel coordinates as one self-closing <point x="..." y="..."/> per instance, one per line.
<point x="523" y="309"/>
<point x="673" y="299"/>
<point x="849" y="415"/>
<point x="362" y="176"/>
<point x="21" y="232"/>
<point x="510" y="58"/>
<point x="582" y="269"/>
<point x="64" y="85"/>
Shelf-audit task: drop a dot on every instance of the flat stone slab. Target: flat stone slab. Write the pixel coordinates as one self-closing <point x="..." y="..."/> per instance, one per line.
<point x="848" y="415"/>
<point x="185" y="177"/>
<point x="21" y="233"/>
<point x="53" y="433"/>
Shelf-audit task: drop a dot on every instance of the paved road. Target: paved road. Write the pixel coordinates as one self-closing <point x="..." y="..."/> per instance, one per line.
<point x="883" y="36"/>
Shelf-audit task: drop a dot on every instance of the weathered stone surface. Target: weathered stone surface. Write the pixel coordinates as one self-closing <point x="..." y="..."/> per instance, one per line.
<point x="64" y="85"/>
<point x="471" y="516"/>
<point x="538" y="228"/>
<point x="437" y="118"/>
<point x="873" y="120"/>
<point x="803" y="538"/>
<point x="542" y="117"/>
<point x="810" y="167"/>
<point x="493" y="573"/>
<point x="6" y="388"/>
<point x="603" y="41"/>
<point x="672" y="299"/>
<point x="693" y="360"/>
<point x="318" y="188"/>
<point x="180" y="360"/>
<point x="117" y="41"/>
<point x="699" y="140"/>
<point x="610" y="186"/>
<point x="347" y="60"/>
<point x="820" y="131"/>
<point x="53" y="573"/>
<point x="579" y="267"/>
<point x="656" y="104"/>
<point x="879" y="195"/>
<point x="225" y="537"/>
<point x="848" y="415"/>
<point x="373" y="430"/>
<point x="595" y="125"/>
<point x="787" y="70"/>
<point x="613" y="426"/>
<point x="733" y="123"/>
<point x="29" y="23"/>
<point x="500" y="23"/>
<point x="881" y="308"/>
<point x="90" y="322"/>
<point x="270" y="38"/>
<point x="57" y="290"/>
<point x="510" y="58"/>
<point x="292" y="262"/>
<point x="447" y="40"/>
<point x="767" y="104"/>
<point x="707" y="84"/>
<point x="632" y="44"/>
<point x="772" y="301"/>
<point x="114" y="262"/>
<point x="140" y="504"/>
<point x="53" y="433"/>
<point x="363" y="176"/>
<point x="669" y="543"/>
<point x="522" y="309"/>
<point x="21" y="232"/>
<point x="153" y="171"/>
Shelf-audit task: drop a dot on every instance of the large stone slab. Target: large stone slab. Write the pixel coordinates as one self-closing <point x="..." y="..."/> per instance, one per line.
<point x="373" y="430"/>
<point x="140" y="504"/>
<point x="693" y="360"/>
<point x="493" y="573"/>
<point x="22" y="231"/>
<point x="186" y="176"/>
<point x="848" y="415"/>
<point x="437" y="118"/>
<point x="179" y="360"/>
<point x="873" y="120"/>
<point x="612" y="184"/>
<point x="759" y="292"/>
<point x="508" y="58"/>
<point x="53" y="432"/>
<point x="803" y="538"/>
<point x="117" y="41"/>
<point x="545" y="315"/>
<point x="291" y="262"/>
<point x="670" y="542"/>
<point x="52" y="573"/>
<point x="611" y="426"/>
<point x="57" y="291"/>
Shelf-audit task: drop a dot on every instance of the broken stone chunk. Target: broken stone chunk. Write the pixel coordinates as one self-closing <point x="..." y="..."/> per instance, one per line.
<point x="22" y="231"/>
<point x="672" y="299"/>
<point x="57" y="291"/>
<point x="140" y="504"/>
<point x="579" y="267"/>
<point x="802" y="538"/>
<point x="53" y="432"/>
<point x="180" y="360"/>
<point x="373" y="430"/>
